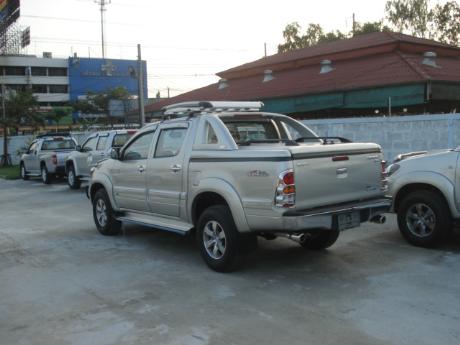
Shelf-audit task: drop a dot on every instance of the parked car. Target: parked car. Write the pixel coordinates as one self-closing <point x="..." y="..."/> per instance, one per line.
<point x="46" y="156"/>
<point x="231" y="172"/>
<point x="426" y="191"/>
<point x="95" y="148"/>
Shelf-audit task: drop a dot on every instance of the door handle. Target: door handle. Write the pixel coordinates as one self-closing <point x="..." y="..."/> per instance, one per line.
<point x="141" y="168"/>
<point x="176" y="167"/>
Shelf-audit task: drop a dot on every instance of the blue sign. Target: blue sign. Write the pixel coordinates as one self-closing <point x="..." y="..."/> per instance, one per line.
<point x="99" y="75"/>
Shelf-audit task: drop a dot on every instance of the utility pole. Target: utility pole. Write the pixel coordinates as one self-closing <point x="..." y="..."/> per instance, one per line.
<point x="265" y="49"/>
<point x="140" y="86"/>
<point x="168" y="91"/>
<point x="102" y="4"/>
<point x="354" y="25"/>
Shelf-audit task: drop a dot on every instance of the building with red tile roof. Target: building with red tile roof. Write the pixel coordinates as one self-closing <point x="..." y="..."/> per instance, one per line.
<point x="363" y="75"/>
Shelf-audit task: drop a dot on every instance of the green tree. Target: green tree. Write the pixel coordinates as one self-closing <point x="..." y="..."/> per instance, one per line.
<point x="99" y="102"/>
<point x="446" y="19"/>
<point x="293" y="39"/>
<point x="369" y="27"/>
<point x="419" y="18"/>
<point x="56" y="114"/>
<point x="20" y="108"/>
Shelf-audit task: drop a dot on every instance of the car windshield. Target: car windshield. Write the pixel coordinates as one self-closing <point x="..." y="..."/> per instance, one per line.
<point x="58" y="144"/>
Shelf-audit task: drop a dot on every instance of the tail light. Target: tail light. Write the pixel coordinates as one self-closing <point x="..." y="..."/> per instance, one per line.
<point x="285" y="190"/>
<point x="54" y="159"/>
<point x="383" y="176"/>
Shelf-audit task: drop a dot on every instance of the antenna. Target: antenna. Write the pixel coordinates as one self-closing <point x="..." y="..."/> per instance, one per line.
<point x="102" y="4"/>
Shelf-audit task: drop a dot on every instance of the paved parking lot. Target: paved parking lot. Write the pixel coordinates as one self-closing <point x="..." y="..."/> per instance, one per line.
<point x="63" y="283"/>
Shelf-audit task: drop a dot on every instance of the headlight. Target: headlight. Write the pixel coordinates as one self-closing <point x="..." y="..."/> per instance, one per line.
<point x="91" y="171"/>
<point x="392" y="169"/>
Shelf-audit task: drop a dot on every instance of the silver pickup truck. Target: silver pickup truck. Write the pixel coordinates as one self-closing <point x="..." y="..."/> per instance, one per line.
<point x="46" y="156"/>
<point x="229" y="173"/>
<point x="96" y="147"/>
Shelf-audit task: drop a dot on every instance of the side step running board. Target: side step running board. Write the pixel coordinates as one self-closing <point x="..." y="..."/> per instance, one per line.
<point x="156" y="222"/>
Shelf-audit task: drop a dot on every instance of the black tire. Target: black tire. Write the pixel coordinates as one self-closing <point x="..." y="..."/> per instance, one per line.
<point x="217" y="220"/>
<point x="23" y="171"/>
<point x="72" y="180"/>
<point x="320" y="240"/>
<point x="46" y="177"/>
<point x="108" y="225"/>
<point x="424" y="218"/>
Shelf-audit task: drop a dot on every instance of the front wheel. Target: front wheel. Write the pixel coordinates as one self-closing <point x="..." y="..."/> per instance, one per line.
<point x="46" y="177"/>
<point x="424" y="218"/>
<point x="217" y="238"/>
<point x="104" y="216"/>
<point x="72" y="180"/>
<point x="321" y="240"/>
<point x="24" y="175"/>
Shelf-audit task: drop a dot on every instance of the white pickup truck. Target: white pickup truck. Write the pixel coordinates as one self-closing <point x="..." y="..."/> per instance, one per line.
<point x="46" y="156"/>
<point x="426" y="194"/>
<point x="230" y="172"/>
<point x="96" y="147"/>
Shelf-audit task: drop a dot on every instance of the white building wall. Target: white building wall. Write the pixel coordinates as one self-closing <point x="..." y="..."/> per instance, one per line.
<point x="32" y="61"/>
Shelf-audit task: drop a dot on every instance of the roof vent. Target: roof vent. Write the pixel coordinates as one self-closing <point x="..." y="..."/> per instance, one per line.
<point x="326" y="67"/>
<point x="222" y="84"/>
<point x="429" y="59"/>
<point x="268" y="75"/>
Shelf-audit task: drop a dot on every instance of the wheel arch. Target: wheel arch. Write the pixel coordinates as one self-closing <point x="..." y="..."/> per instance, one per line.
<point x="412" y="187"/>
<point x="218" y="192"/>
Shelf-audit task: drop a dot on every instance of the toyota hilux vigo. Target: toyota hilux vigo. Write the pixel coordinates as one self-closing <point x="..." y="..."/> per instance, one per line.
<point x="229" y="172"/>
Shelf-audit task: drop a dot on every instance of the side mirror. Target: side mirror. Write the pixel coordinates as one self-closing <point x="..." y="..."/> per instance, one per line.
<point x="78" y="148"/>
<point x="115" y="153"/>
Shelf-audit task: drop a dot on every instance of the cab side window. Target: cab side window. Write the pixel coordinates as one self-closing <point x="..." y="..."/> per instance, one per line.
<point x="32" y="148"/>
<point x="170" y="142"/>
<point x="211" y="137"/>
<point x="102" y="142"/>
<point x="90" y="144"/>
<point x="139" y="147"/>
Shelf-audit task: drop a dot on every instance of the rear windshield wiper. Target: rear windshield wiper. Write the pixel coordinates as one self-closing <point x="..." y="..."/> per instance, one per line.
<point x="288" y="142"/>
<point x="326" y="140"/>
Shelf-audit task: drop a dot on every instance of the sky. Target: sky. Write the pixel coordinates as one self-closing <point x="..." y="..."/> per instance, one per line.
<point x="184" y="42"/>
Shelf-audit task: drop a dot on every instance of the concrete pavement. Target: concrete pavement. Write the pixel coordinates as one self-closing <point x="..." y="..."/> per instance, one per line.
<point x="61" y="282"/>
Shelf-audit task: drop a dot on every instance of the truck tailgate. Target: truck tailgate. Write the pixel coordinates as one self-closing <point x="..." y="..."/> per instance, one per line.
<point x="333" y="174"/>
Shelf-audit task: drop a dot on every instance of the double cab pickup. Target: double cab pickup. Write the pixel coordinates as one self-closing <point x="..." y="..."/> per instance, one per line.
<point x="229" y="172"/>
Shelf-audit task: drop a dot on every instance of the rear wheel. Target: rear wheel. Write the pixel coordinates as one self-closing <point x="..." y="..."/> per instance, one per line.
<point x="424" y="218"/>
<point x="46" y="177"/>
<point x="24" y="175"/>
<point x="217" y="238"/>
<point x="72" y="180"/>
<point x="321" y="240"/>
<point x="104" y="216"/>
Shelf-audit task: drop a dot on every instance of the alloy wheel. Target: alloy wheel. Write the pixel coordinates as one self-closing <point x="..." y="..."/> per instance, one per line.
<point x="214" y="239"/>
<point x="420" y="220"/>
<point x="101" y="212"/>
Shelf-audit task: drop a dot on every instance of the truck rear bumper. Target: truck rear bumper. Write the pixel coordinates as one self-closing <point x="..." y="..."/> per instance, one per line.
<point x="341" y="217"/>
<point x="328" y="217"/>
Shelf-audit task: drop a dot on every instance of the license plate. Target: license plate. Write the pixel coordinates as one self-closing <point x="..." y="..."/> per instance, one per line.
<point x="348" y="220"/>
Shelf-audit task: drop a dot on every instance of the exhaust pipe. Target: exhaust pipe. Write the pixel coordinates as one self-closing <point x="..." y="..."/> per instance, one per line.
<point x="379" y="219"/>
<point x="300" y="238"/>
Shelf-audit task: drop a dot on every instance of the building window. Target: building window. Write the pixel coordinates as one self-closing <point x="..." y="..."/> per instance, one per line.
<point x="57" y="72"/>
<point x="58" y="88"/>
<point x="13" y="70"/>
<point x="39" y="89"/>
<point x="39" y="71"/>
<point x="17" y="87"/>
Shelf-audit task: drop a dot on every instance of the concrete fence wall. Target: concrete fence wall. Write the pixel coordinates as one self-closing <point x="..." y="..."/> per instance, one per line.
<point x="396" y="134"/>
